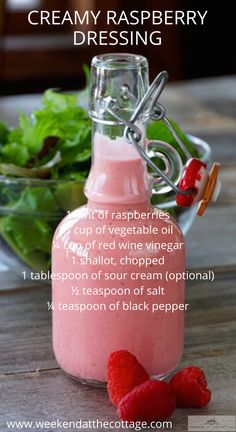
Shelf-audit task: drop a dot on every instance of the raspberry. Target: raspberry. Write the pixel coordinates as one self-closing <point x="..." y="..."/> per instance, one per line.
<point x="124" y="373"/>
<point x="190" y="388"/>
<point x="150" y="401"/>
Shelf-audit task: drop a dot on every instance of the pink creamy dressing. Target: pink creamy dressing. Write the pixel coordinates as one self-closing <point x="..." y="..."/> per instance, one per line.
<point x="83" y="341"/>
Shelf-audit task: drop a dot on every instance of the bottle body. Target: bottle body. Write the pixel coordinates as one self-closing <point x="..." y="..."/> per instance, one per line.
<point x="124" y="229"/>
<point x="116" y="252"/>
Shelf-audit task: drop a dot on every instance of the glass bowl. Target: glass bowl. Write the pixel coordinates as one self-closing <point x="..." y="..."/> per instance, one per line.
<point x="30" y="210"/>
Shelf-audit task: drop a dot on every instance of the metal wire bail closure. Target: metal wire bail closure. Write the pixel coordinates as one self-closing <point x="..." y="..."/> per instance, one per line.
<point x="165" y="179"/>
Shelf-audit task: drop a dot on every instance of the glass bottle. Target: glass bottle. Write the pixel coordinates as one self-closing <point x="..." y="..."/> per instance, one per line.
<point x="117" y="244"/>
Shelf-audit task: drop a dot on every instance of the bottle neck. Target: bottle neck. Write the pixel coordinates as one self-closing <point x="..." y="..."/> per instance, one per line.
<point x="118" y="174"/>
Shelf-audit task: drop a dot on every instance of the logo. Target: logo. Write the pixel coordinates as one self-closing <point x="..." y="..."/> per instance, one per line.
<point x="214" y="423"/>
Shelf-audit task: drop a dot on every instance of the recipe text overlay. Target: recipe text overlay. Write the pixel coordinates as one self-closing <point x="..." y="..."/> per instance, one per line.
<point x="89" y="24"/>
<point x="113" y="261"/>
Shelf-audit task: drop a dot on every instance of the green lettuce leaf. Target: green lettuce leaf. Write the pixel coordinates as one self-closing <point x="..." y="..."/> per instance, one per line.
<point x="30" y="238"/>
<point x="37" y="199"/>
<point x="4" y="132"/>
<point x="60" y="118"/>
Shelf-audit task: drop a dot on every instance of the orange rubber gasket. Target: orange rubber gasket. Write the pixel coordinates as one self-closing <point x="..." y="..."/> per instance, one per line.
<point x="213" y="175"/>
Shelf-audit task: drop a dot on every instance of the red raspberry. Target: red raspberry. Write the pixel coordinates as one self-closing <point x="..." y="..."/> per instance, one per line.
<point x="190" y="388"/>
<point x="150" y="401"/>
<point x="124" y="373"/>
